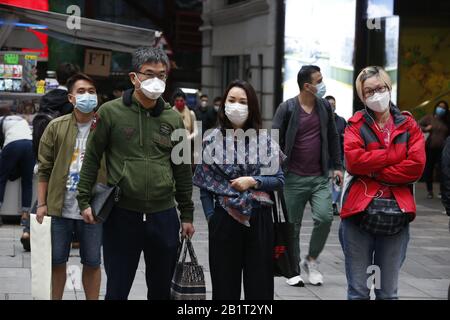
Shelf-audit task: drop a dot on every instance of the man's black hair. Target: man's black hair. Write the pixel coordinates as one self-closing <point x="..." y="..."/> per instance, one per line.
<point x="76" y="77"/>
<point x="304" y="75"/>
<point x="178" y="94"/>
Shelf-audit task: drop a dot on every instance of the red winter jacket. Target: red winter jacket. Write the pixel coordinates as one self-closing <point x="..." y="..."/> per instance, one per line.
<point x="372" y="164"/>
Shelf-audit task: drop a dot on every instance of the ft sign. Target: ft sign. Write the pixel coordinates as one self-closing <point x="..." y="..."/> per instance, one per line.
<point x="97" y="62"/>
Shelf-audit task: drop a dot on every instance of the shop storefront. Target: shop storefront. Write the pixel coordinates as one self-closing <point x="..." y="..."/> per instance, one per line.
<point x="24" y="76"/>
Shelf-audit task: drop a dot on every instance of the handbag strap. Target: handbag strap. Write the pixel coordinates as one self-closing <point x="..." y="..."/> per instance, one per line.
<point x="281" y="204"/>
<point x="189" y="247"/>
<point x="275" y="212"/>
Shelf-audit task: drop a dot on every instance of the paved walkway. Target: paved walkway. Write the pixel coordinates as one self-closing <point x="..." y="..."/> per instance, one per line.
<point x="425" y="274"/>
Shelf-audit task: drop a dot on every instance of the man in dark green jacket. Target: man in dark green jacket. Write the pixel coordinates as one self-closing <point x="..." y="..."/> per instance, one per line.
<point x="134" y="134"/>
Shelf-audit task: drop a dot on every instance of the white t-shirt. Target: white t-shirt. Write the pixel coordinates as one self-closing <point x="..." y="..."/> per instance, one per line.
<point x="70" y="207"/>
<point x="16" y="128"/>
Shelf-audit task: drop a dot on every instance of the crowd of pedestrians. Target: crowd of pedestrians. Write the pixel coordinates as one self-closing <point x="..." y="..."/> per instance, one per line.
<point x="363" y="170"/>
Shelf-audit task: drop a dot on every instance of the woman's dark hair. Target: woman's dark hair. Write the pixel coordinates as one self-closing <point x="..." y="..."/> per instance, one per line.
<point x="446" y="118"/>
<point x="437" y="105"/>
<point x="254" y="115"/>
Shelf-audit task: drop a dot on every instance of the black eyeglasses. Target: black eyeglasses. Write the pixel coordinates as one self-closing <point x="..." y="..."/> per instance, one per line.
<point x="161" y="76"/>
<point x="369" y="93"/>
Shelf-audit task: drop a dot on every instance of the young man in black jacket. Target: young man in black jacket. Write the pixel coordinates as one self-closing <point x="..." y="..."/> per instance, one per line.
<point x="309" y="139"/>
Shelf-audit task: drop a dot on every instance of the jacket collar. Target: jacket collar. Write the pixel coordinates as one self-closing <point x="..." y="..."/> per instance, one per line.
<point x="363" y="115"/>
<point x="130" y="101"/>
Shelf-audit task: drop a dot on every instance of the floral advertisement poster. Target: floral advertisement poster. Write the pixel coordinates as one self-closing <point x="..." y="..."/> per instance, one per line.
<point x="424" y="64"/>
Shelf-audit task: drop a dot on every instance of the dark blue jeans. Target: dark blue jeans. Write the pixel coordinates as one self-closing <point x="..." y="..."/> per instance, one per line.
<point x="125" y="235"/>
<point x="17" y="161"/>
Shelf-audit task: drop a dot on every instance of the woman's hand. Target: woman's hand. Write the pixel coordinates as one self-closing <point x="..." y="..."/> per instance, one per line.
<point x="243" y="183"/>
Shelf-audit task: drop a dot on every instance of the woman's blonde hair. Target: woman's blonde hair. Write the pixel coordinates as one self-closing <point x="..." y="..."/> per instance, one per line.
<point x="369" y="72"/>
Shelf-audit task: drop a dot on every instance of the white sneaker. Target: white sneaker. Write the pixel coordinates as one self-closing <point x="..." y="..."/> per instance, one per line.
<point x="296" y="281"/>
<point x="312" y="270"/>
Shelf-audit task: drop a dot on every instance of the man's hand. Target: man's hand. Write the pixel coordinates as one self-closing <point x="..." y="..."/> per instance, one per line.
<point x="88" y="217"/>
<point x="338" y="173"/>
<point x="187" y="229"/>
<point x="243" y="183"/>
<point x="41" y="213"/>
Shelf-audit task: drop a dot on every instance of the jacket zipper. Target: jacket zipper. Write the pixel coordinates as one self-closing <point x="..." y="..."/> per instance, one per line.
<point x="397" y="132"/>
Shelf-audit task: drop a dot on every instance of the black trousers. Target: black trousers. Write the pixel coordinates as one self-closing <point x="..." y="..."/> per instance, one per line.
<point x="125" y="236"/>
<point x="236" y="250"/>
<point x="433" y="159"/>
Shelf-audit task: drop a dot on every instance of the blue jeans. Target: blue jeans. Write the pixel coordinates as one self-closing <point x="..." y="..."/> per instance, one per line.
<point x="17" y="161"/>
<point x="89" y="235"/>
<point x="362" y="250"/>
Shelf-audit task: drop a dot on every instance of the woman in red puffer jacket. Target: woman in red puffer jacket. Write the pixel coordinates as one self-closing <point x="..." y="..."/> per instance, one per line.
<point x="384" y="155"/>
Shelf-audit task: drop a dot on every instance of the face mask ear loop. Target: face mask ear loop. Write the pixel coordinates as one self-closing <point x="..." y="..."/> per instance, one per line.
<point x="140" y="83"/>
<point x="368" y="113"/>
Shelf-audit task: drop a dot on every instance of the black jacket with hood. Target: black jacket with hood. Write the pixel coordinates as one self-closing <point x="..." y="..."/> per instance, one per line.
<point x="53" y="104"/>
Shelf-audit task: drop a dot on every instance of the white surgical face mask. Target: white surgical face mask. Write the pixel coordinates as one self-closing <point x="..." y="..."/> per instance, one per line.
<point x="152" y="88"/>
<point x="379" y="102"/>
<point x="237" y="113"/>
<point x="204" y="104"/>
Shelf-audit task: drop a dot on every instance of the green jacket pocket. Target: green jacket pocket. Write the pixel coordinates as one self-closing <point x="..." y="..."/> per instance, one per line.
<point x="146" y="179"/>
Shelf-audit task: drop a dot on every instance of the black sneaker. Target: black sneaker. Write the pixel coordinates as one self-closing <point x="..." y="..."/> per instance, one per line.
<point x="26" y="243"/>
<point x="335" y="210"/>
<point x="430" y="195"/>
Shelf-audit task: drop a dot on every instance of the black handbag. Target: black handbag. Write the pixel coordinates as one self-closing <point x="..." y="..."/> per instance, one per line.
<point x="283" y="265"/>
<point x="103" y="199"/>
<point x="188" y="281"/>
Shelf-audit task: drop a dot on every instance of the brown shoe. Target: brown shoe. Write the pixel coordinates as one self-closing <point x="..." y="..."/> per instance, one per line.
<point x="75" y="245"/>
